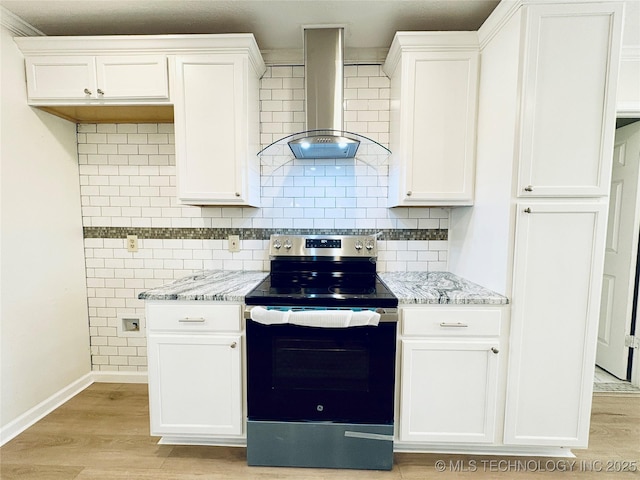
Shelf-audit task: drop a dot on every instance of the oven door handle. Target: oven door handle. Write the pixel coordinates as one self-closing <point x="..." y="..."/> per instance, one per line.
<point x="386" y="314"/>
<point x="368" y="436"/>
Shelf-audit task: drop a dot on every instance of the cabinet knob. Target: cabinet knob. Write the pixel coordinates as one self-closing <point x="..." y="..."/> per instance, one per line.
<point x="87" y="91"/>
<point x="527" y="210"/>
<point x="237" y="194"/>
<point x="494" y="350"/>
<point x="100" y="92"/>
<point x="234" y="345"/>
<point x="409" y="193"/>
<point x="528" y="188"/>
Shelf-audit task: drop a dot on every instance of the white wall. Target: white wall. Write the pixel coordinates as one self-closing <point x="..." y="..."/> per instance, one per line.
<point x="43" y="304"/>
<point x="480" y="237"/>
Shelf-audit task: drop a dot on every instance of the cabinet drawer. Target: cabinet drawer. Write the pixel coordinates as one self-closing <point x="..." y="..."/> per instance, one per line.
<point x="193" y="317"/>
<point x="437" y="321"/>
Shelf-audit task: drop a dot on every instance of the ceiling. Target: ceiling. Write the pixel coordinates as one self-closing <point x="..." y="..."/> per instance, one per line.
<point x="276" y="24"/>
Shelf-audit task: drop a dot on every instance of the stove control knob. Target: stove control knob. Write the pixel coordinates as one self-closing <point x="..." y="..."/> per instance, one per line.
<point x="277" y="244"/>
<point x="287" y="244"/>
<point x="369" y="245"/>
<point x="358" y="245"/>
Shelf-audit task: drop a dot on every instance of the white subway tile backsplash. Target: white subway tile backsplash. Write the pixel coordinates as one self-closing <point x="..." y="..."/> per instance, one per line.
<point x="127" y="179"/>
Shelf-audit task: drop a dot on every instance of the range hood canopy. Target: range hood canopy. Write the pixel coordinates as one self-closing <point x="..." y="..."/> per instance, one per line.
<point x="324" y="83"/>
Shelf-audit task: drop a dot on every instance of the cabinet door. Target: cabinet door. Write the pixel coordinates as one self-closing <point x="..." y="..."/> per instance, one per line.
<point x="211" y="143"/>
<point x="61" y="77"/>
<point x="556" y="293"/>
<point x="448" y="391"/>
<point x="569" y="76"/>
<point x="133" y="76"/>
<point x="437" y="132"/>
<point x="195" y="384"/>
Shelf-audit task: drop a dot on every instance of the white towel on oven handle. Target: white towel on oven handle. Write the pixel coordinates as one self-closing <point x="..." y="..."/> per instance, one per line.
<point x="316" y="318"/>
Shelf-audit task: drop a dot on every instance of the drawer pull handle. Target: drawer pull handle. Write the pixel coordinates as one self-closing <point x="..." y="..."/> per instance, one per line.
<point x="233" y="345"/>
<point x="191" y="320"/>
<point x="457" y="325"/>
<point x="494" y="350"/>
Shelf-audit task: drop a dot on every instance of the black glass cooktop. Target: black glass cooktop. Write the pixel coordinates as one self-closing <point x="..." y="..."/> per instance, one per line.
<point x="370" y="294"/>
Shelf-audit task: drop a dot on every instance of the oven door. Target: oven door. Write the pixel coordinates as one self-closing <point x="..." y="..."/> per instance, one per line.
<point x="297" y="373"/>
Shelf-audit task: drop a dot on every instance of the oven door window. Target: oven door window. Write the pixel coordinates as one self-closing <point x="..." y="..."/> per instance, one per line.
<point x="321" y="374"/>
<point x="320" y="364"/>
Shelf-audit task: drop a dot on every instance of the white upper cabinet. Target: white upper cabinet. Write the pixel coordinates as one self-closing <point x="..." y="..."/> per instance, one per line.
<point x="71" y="78"/>
<point x="569" y="74"/>
<point x="213" y="82"/>
<point x="216" y="115"/>
<point x="434" y="84"/>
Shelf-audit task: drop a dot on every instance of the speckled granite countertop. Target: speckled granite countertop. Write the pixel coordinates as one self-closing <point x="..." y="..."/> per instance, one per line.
<point x="217" y="285"/>
<point x="409" y="287"/>
<point x="438" y="288"/>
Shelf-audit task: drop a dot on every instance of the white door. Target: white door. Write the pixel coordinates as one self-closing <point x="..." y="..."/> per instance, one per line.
<point x="132" y="76"/>
<point x="208" y="104"/>
<point x="568" y="87"/>
<point x="449" y="390"/>
<point x="556" y="294"/>
<point x="621" y="253"/>
<point x="195" y="384"/>
<point x="61" y="77"/>
<point x="442" y="132"/>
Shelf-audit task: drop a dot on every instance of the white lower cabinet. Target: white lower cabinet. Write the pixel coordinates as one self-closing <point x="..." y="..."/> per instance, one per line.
<point x="195" y="369"/>
<point x="558" y="268"/>
<point x="449" y="374"/>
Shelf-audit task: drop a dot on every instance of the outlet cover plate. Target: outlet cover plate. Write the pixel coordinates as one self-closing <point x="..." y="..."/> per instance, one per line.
<point x="234" y="243"/>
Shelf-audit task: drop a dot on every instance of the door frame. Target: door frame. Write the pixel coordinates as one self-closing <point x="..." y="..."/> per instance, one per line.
<point x="633" y="112"/>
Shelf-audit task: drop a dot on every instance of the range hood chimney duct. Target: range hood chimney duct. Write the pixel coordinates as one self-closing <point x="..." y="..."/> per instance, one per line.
<point x="324" y="97"/>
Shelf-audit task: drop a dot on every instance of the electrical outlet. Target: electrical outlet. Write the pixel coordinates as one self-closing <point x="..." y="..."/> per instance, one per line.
<point x="234" y="243"/>
<point x="132" y="243"/>
<point x="130" y="324"/>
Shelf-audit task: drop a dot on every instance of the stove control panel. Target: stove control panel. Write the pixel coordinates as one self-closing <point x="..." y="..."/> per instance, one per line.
<point x="323" y="245"/>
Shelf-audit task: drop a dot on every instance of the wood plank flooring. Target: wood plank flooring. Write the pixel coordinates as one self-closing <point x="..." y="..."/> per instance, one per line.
<point x="102" y="433"/>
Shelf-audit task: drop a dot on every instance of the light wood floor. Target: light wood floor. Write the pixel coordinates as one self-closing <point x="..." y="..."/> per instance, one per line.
<point x="102" y="433"/>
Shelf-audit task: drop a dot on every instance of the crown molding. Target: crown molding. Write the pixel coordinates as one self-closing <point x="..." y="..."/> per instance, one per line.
<point x="16" y="25"/>
<point x="497" y="20"/>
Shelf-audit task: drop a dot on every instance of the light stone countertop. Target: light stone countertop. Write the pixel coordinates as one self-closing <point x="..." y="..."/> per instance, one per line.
<point x="438" y="288"/>
<point x="409" y="287"/>
<point x="215" y="285"/>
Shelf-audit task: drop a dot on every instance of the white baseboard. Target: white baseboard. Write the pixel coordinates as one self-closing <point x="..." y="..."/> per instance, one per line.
<point x="119" y="377"/>
<point x="208" y="442"/>
<point x="31" y="416"/>
<point x="477" y="449"/>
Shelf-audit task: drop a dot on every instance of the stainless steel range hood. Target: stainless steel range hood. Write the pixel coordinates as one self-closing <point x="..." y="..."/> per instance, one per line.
<point x="324" y="82"/>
